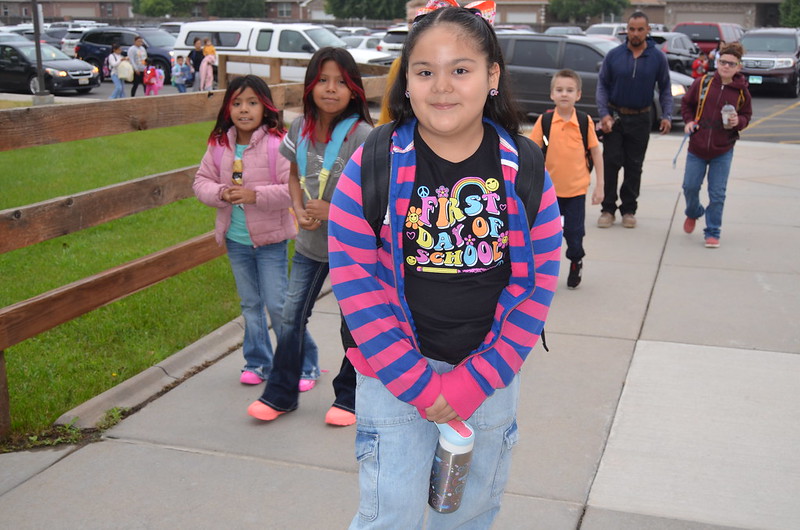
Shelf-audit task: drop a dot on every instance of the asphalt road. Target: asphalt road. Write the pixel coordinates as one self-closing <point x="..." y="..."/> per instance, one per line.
<point x="776" y="118"/>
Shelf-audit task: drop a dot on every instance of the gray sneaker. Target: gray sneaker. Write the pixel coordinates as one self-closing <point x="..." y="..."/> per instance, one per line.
<point x="606" y="220"/>
<point x="629" y="220"/>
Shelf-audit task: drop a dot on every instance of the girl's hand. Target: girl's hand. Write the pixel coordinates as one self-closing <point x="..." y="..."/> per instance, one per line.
<point x="304" y="220"/>
<point x="239" y="195"/>
<point x="318" y="209"/>
<point x="441" y="411"/>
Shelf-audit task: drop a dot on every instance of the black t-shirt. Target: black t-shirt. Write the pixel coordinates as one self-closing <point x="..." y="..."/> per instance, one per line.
<point x="196" y="57"/>
<point x="455" y="245"/>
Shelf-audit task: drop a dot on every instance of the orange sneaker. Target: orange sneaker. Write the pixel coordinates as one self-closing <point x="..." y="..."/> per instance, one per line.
<point x="339" y="417"/>
<point x="263" y="412"/>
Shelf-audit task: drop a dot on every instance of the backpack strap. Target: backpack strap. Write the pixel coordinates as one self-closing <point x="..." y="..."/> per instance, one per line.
<point x="705" y="83"/>
<point x="530" y="176"/>
<point x="376" y="171"/>
<point x="547" y="121"/>
<point x="583" y="124"/>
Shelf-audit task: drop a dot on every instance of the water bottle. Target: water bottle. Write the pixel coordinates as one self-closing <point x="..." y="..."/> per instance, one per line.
<point x="451" y="465"/>
<point x="727" y="112"/>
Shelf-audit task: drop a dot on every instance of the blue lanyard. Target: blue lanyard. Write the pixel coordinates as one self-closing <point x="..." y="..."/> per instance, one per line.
<point x="331" y="152"/>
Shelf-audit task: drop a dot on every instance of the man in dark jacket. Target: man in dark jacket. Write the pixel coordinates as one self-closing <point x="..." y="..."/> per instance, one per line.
<point x="624" y="99"/>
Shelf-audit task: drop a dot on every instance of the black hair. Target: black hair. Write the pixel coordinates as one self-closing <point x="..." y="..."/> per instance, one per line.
<point x="352" y="77"/>
<point x="639" y="14"/>
<point x="272" y="118"/>
<point x="502" y="108"/>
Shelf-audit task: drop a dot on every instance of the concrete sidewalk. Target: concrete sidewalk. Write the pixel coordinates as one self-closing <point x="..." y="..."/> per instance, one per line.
<point x="668" y="400"/>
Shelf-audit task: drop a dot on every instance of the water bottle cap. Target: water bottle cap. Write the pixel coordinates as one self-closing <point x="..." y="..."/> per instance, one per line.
<point x="456" y="436"/>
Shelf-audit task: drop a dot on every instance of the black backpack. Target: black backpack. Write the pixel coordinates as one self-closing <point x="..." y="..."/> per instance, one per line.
<point x="583" y="123"/>
<point x="376" y="171"/>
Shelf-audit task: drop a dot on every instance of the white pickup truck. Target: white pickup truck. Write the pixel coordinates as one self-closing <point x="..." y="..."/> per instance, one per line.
<point x="266" y="39"/>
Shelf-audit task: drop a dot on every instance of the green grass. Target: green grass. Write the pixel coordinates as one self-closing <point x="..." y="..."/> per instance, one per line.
<point x="59" y="369"/>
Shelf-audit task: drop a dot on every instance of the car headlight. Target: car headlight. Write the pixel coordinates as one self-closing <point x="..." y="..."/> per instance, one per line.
<point x="678" y="89"/>
<point x="95" y="70"/>
<point x="784" y="63"/>
<point x="56" y="73"/>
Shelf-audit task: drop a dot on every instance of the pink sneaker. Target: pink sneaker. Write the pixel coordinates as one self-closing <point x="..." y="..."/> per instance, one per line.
<point x="263" y="412"/>
<point x="712" y="242"/>
<point x="339" y="417"/>
<point x="306" y="384"/>
<point x="250" y="378"/>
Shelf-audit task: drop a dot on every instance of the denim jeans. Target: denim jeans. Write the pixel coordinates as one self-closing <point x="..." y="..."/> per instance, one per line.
<point x="395" y="447"/>
<point x="181" y="87"/>
<point x="119" y="87"/>
<point x="305" y="283"/>
<point x="624" y="148"/>
<point x="261" y="280"/>
<point x="573" y="210"/>
<point x="718" y="170"/>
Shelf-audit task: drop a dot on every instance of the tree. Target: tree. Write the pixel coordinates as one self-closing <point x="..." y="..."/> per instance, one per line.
<point x="370" y="9"/>
<point x="578" y="10"/>
<point x="790" y="13"/>
<point x="155" y="8"/>
<point x="238" y="9"/>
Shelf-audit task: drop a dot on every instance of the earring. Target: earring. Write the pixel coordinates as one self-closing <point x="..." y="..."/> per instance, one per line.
<point x="493" y="93"/>
<point x="408" y="96"/>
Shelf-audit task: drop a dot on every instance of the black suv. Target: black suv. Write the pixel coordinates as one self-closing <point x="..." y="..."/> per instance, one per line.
<point x="533" y="59"/>
<point x="772" y="58"/>
<point x="95" y="45"/>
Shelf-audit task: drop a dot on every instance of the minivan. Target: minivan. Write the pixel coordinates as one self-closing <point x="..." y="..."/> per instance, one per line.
<point x="772" y="58"/>
<point x="708" y="34"/>
<point x="266" y="39"/>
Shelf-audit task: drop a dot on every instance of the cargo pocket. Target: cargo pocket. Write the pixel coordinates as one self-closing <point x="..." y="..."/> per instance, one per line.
<point x="510" y="439"/>
<point x="368" y="470"/>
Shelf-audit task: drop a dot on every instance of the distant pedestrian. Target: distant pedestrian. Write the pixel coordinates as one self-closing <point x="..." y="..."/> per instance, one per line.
<point x="628" y="75"/>
<point x="716" y="107"/>
<point x="114" y="59"/>
<point x="180" y="73"/>
<point x="153" y="78"/>
<point x="195" y="59"/>
<point x="137" y="54"/>
<point x="206" y="77"/>
<point x="700" y="65"/>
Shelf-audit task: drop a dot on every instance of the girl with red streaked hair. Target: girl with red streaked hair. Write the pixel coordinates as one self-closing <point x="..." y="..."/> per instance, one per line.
<point x="334" y="124"/>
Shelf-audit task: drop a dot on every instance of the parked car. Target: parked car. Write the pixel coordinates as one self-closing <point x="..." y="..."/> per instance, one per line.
<point x="616" y="30"/>
<point x="563" y="30"/>
<point x="6" y="36"/>
<point x="61" y="73"/>
<point x="708" y="34"/>
<point x="95" y="45"/>
<point x="681" y="51"/>
<point x="266" y="39"/>
<point x="173" y="28"/>
<point x="532" y="60"/>
<point x="363" y="42"/>
<point x="71" y="39"/>
<point x="346" y="31"/>
<point x="772" y="58"/>
<point x="392" y="42"/>
<point x="49" y="36"/>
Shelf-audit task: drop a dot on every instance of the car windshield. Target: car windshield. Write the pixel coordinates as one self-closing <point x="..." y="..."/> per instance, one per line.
<point x="322" y="37"/>
<point x="705" y="32"/>
<point x="768" y="43"/>
<point x="600" y="30"/>
<point x="48" y="53"/>
<point x="352" y="42"/>
<point x="159" y="39"/>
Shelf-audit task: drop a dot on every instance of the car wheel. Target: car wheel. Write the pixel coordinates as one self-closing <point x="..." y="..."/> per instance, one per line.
<point x="679" y="68"/>
<point x="33" y="84"/>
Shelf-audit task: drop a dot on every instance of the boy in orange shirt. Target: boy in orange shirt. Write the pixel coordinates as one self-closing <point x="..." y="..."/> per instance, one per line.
<point x="566" y="162"/>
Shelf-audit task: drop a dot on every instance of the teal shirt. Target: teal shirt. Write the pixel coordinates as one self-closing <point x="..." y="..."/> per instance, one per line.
<point x="237" y="232"/>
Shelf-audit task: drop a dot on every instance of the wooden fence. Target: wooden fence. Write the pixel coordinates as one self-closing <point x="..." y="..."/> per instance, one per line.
<point x="27" y="225"/>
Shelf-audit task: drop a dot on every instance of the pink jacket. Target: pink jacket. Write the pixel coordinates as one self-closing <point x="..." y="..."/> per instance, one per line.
<point x="269" y="219"/>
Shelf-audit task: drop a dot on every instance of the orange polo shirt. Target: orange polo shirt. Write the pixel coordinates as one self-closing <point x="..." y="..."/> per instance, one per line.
<point x="565" y="160"/>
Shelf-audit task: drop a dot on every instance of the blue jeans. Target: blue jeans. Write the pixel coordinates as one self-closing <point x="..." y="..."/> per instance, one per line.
<point x="395" y="447"/>
<point x="718" y="170"/>
<point x="181" y="87"/>
<point x="261" y="281"/>
<point x="305" y="283"/>
<point x="119" y="87"/>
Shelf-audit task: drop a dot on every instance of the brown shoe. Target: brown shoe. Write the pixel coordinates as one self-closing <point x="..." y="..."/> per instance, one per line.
<point x="606" y="220"/>
<point x="629" y="220"/>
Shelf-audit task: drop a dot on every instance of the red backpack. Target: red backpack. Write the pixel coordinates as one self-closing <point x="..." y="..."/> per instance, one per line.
<point x="150" y="75"/>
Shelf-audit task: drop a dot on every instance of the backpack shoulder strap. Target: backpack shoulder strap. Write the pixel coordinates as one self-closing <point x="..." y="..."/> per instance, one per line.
<point x="547" y="122"/>
<point x="583" y="123"/>
<point x="705" y="83"/>
<point x="530" y="176"/>
<point x="375" y="175"/>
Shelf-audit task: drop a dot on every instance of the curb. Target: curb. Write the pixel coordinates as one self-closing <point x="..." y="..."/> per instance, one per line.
<point x="146" y="385"/>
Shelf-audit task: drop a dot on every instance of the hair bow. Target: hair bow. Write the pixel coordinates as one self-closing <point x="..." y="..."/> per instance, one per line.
<point x="485" y="9"/>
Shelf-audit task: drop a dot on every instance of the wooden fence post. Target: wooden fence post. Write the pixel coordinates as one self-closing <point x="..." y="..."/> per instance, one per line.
<point x="5" y="401"/>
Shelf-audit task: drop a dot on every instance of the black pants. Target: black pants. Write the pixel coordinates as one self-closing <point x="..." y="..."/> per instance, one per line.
<point x="574" y="211"/>
<point x="138" y="79"/>
<point x="624" y="148"/>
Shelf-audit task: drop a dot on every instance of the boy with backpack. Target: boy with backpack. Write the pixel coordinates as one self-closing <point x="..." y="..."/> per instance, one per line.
<point x="567" y="137"/>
